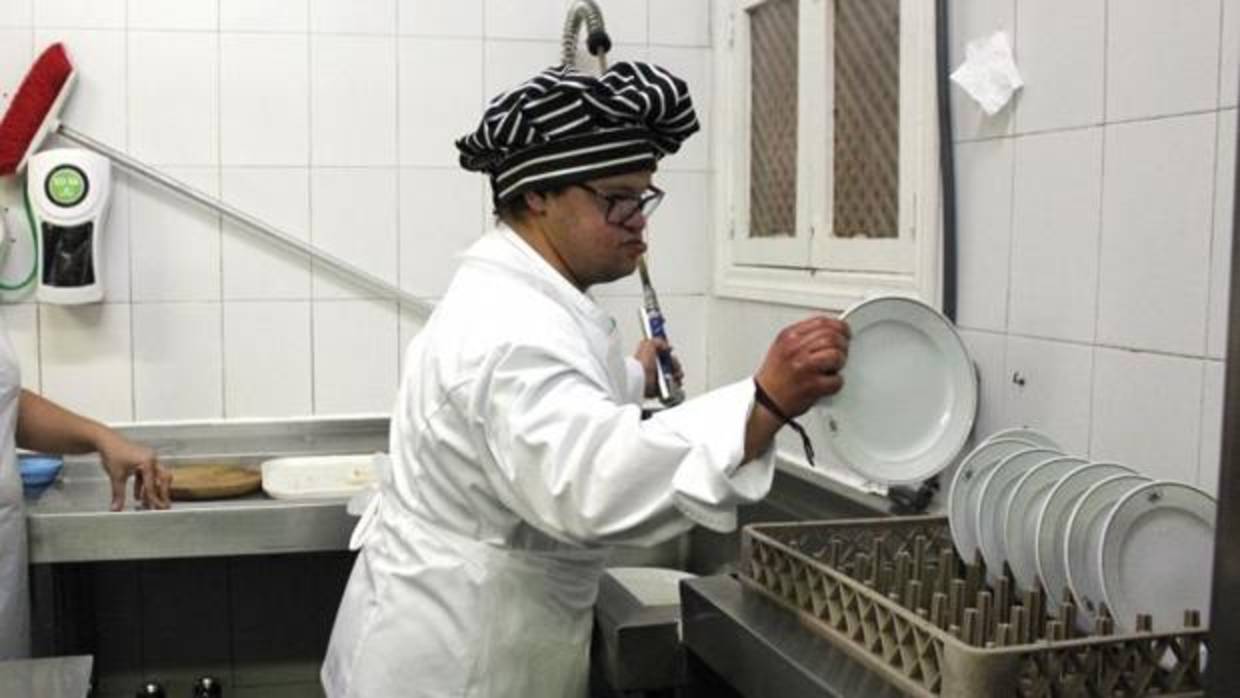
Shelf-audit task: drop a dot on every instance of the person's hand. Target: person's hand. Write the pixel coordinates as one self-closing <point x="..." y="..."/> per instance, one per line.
<point x="647" y="355"/>
<point x="121" y="458"/>
<point x="803" y="363"/>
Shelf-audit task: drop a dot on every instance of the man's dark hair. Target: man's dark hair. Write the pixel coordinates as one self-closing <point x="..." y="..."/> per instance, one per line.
<point x="515" y="208"/>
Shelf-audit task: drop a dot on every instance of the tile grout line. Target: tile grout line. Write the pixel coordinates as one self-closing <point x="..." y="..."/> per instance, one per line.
<point x="219" y="183"/>
<point x="310" y="205"/>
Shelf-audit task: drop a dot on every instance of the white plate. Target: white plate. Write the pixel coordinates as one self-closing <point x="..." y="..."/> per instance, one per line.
<point x="993" y="496"/>
<point x="1051" y="529"/>
<point x="1157" y="550"/>
<point x="317" y="477"/>
<point x="962" y="499"/>
<point x="1033" y="436"/>
<point x="1020" y="523"/>
<point x="909" y="397"/>
<point x="1081" y="546"/>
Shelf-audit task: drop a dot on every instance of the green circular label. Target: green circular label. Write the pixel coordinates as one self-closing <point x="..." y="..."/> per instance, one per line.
<point x="66" y="185"/>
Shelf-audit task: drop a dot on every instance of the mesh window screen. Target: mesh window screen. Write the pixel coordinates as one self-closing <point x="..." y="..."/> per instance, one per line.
<point x="867" y="118"/>
<point x="773" y="119"/>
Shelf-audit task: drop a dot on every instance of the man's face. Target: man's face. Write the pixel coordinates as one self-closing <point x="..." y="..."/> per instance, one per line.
<point x="599" y="247"/>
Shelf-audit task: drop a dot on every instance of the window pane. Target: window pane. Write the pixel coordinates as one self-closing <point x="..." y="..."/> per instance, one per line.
<point x="773" y="119"/>
<point x="867" y="118"/>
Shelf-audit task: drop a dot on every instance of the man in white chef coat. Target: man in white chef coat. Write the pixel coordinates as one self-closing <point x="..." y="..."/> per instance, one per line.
<point x="518" y="450"/>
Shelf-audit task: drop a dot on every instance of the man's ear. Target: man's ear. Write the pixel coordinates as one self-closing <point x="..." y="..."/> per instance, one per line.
<point x="536" y="202"/>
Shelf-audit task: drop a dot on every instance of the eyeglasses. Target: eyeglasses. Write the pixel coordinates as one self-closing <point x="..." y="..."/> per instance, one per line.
<point x="622" y="207"/>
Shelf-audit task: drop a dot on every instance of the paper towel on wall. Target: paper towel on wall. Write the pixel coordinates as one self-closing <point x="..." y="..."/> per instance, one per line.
<point x="988" y="73"/>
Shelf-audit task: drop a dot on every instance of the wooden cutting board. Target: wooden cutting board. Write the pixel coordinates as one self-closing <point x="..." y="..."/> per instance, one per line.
<point x="192" y="482"/>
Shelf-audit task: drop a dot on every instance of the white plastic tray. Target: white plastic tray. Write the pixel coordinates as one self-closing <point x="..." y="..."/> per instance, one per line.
<point x="318" y="477"/>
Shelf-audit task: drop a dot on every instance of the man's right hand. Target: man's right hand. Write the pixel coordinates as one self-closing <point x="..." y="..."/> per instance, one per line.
<point x="804" y="362"/>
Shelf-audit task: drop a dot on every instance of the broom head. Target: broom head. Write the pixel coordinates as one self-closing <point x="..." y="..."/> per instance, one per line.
<point x="33" y="111"/>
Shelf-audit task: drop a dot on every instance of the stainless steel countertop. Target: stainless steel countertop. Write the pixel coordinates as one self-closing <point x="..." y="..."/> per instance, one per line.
<point x="50" y="677"/>
<point x="763" y="651"/>
<point x="70" y="521"/>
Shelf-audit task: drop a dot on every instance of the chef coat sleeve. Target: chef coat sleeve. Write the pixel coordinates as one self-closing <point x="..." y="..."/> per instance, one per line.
<point x="570" y="460"/>
<point x="636" y="377"/>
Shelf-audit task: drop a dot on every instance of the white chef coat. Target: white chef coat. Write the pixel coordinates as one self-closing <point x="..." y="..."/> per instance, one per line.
<point x="14" y="579"/>
<point x="518" y="455"/>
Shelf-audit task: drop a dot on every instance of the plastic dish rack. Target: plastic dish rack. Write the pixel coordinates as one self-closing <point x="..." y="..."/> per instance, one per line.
<point x="893" y="593"/>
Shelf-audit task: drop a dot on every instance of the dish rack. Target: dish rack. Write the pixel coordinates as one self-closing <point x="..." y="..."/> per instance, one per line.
<point x="893" y="593"/>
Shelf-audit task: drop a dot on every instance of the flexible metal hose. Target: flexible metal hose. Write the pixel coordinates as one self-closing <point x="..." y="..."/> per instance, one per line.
<point x="597" y="41"/>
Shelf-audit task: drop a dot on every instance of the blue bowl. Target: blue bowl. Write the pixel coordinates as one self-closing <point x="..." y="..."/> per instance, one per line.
<point x="39" y="470"/>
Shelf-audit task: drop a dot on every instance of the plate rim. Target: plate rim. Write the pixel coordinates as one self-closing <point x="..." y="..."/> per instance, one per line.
<point x="953" y="492"/>
<point x="970" y="393"/>
<point x="1107" y="534"/>
<point x="1084" y="613"/>
<point x="991" y="571"/>
<point x="1011" y="501"/>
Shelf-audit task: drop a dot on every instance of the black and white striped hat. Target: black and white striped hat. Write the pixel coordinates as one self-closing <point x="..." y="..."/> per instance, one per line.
<point x="563" y="126"/>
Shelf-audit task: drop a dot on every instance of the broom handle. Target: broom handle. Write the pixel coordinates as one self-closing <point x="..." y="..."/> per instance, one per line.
<point x="127" y="163"/>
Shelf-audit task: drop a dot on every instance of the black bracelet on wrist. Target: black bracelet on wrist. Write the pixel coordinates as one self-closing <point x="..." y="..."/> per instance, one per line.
<point x="762" y="398"/>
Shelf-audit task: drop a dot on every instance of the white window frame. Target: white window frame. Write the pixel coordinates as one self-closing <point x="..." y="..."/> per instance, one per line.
<point x="812" y="267"/>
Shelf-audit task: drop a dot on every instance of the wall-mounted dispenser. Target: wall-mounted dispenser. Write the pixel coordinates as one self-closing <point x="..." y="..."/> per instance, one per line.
<point x="69" y="190"/>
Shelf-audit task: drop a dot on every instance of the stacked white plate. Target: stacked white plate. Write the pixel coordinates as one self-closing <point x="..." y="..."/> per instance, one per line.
<point x="1102" y="532"/>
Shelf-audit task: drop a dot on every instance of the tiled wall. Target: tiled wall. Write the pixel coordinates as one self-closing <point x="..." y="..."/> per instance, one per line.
<point x="334" y="120"/>
<point x="1095" y="220"/>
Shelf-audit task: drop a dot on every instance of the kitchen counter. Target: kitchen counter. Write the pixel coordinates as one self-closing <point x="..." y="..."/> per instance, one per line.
<point x="761" y="650"/>
<point x="70" y="521"/>
<point x="50" y="677"/>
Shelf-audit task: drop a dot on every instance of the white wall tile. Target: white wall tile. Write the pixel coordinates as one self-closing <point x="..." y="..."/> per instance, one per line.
<point x="1220" y="241"/>
<point x="80" y="14"/>
<point x="970" y="21"/>
<point x="1156" y="234"/>
<point x="353" y="16"/>
<point x="354" y="218"/>
<point x="682" y="23"/>
<point x="439" y="218"/>
<point x="96" y="106"/>
<point x="174" y="98"/>
<point x="115" y="262"/>
<point x="1054" y="397"/>
<point x="353" y="100"/>
<point x="21" y="326"/>
<point x="984" y="227"/>
<point x="1229" y="62"/>
<point x="264" y="93"/>
<point x="1213" y="376"/>
<point x="694" y="67"/>
<point x="1061" y="61"/>
<point x="194" y="15"/>
<point x="524" y="20"/>
<point x="740" y="334"/>
<point x="626" y="22"/>
<point x="507" y="64"/>
<point x="1162" y="57"/>
<point x="254" y="267"/>
<point x="175" y="244"/>
<point x="438" y="18"/>
<point x="1146" y="412"/>
<point x="438" y="106"/>
<point x="264" y="15"/>
<point x="988" y="351"/>
<point x="87" y="359"/>
<point x="178" y="361"/>
<point x="16" y="13"/>
<point x="355" y="347"/>
<point x="16" y="55"/>
<point x="679" y="236"/>
<point x="267" y="359"/>
<point x="1056" y="201"/>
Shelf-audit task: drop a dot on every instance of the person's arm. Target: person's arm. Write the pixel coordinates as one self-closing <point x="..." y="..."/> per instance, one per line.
<point x="42" y="425"/>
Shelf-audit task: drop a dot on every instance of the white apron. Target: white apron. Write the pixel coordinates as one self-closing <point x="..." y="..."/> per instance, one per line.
<point x="14" y="579"/>
<point x="518" y="457"/>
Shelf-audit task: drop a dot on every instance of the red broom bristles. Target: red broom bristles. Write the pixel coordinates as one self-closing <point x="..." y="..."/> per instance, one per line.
<point x="30" y="106"/>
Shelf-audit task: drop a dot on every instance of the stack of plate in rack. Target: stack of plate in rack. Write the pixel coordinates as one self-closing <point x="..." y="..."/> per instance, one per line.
<point x="1100" y="534"/>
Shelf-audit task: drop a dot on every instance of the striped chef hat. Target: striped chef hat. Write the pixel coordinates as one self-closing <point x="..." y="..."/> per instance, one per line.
<point x="564" y="126"/>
